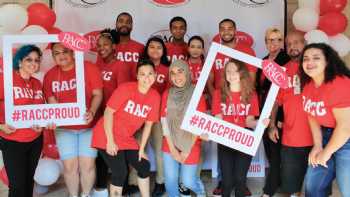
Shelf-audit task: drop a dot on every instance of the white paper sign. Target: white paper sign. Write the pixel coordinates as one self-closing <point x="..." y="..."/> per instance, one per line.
<point x="25" y="116"/>
<point x="221" y="131"/>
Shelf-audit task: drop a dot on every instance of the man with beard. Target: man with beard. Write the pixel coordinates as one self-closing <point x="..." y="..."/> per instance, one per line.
<point x="296" y="135"/>
<point x="128" y="50"/>
<point x="227" y="32"/>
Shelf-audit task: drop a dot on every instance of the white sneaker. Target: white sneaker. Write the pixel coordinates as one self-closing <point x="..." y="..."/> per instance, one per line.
<point x="100" y="193"/>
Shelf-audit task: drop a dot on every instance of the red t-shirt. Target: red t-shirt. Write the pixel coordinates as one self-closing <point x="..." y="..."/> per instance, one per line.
<point x="62" y="85"/>
<point x="132" y="110"/>
<point x="130" y="53"/>
<point x="296" y="130"/>
<point x="235" y="111"/>
<point x="24" y="93"/>
<point x="113" y="74"/>
<point x="221" y="60"/>
<point x="194" y="156"/>
<point x="195" y="69"/>
<point x="162" y="80"/>
<point x="319" y="102"/>
<point x="176" y="51"/>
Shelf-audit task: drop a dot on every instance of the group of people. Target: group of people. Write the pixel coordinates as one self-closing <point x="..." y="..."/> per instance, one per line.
<point x="140" y="96"/>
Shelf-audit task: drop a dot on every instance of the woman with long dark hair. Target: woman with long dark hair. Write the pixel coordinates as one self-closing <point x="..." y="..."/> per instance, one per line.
<point x="326" y="80"/>
<point x="156" y="51"/>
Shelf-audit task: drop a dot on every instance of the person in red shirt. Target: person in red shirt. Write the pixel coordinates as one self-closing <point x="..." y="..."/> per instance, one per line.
<point x="227" y="31"/>
<point x="195" y="57"/>
<point x="114" y="72"/>
<point x="177" y="47"/>
<point x="237" y="103"/>
<point x="181" y="149"/>
<point x="131" y="106"/>
<point x="21" y="148"/>
<point x="73" y="142"/>
<point x="296" y="135"/>
<point x="127" y="50"/>
<point x="325" y="83"/>
<point x="156" y="51"/>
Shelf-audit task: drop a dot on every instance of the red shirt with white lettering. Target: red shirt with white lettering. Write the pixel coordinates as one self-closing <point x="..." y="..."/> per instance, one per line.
<point x="176" y="51"/>
<point x="235" y="111"/>
<point x="113" y="74"/>
<point x="296" y="130"/>
<point x="62" y="85"/>
<point x="319" y="102"/>
<point x="221" y="60"/>
<point x="132" y="110"/>
<point x="130" y="53"/>
<point x="162" y="80"/>
<point x="194" y="156"/>
<point x="195" y="69"/>
<point x="25" y="92"/>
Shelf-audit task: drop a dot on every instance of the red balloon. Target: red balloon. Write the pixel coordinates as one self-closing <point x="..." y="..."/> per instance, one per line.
<point x="332" y="6"/>
<point x="54" y="30"/>
<point x="333" y="23"/>
<point x="3" y="176"/>
<point x="41" y="14"/>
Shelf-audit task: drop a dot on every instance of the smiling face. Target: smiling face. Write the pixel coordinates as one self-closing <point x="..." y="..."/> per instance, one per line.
<point x="105" y="47"/>
<point x="155" y="50"/>
<point x="195" y="49"/>
<point x="295" y="45"/>
<point x="274" y="42"/>
<point x="178" y="76"/>
<point x="30" y="64"/>
<point x="314" y="64"/>
<point x="63" y="56"/>
<point x="146" y="76"/>
<point x="227" y="32"/>
<point x="232" y="74"/>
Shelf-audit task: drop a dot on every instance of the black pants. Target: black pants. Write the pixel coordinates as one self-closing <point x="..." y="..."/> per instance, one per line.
<point x="273" y="153"/>
<point x="101" y="172"/>
<point x="20" y="160"/>
<point x="234" y="168"/>
<point x="119" y="165"/>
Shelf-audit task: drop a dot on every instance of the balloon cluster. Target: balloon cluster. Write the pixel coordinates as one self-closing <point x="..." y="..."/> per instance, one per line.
<point x="38" y="18"/>
<point x="323" y="21"/>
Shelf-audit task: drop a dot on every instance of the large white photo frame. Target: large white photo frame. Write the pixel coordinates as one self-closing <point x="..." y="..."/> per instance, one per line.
<point x="17" y="115"/>
<point x="234" y="136"/>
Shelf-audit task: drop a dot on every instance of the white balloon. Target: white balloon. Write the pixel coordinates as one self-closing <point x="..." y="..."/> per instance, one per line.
<point x="47" y="61"/>
<point x="305" y="19"/>
<point x="41" y="189"/>
<point x="36" y="30"/>
<point x="13" y="17"/>
<point x="316" y="36"/>
<point x="312" y="4"/>
<point x="340" y="43"/>
<point x="47" y="172"/>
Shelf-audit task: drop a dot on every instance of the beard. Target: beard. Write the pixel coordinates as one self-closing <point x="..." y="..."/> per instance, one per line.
<point x="126" y="31"/>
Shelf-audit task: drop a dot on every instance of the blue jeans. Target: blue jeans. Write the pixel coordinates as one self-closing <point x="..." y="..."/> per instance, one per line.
<point x="187" y="173"/>
<point x="319" y="178"/>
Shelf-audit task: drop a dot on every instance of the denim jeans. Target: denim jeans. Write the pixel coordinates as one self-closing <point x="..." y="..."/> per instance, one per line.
<point x="174" y="170"/>
<point x="319" y="178"/>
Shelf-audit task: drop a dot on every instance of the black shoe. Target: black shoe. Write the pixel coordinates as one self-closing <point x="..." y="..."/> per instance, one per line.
<point x="218" y="190"/>
<point x="184" y="191"/>
<point x="130" y="189"/>
<point x="159" y="190"/>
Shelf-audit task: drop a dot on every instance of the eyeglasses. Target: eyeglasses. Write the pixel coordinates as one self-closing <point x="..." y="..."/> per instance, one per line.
<point x="274" y="40"/>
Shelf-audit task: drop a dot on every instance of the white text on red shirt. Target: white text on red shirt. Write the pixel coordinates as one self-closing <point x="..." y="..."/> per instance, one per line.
<point x="314" y="108"/>
<point x="137" y="109"/>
